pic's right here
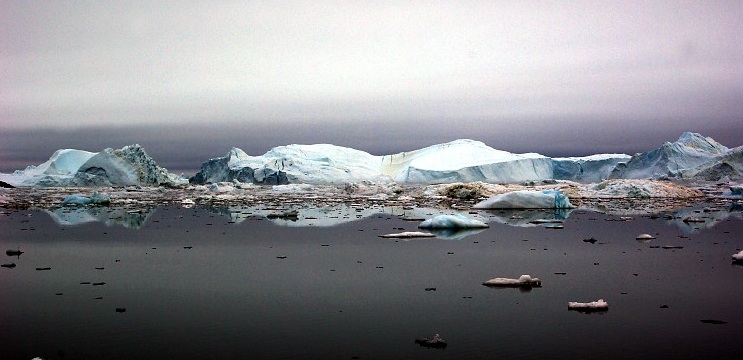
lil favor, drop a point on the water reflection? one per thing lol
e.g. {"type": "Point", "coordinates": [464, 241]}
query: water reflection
{"type": "Point", "coordinates": [689, 219]}
{"type": "Point", "coordinates": [128, 218]}
{"type": "Point", "coordinates": [530, 217]}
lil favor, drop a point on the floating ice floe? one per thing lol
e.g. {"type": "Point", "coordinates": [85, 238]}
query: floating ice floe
{"type": "Point", "coordinates": [738, 256]}
{"type": "Point", "coordinates": [527, 199]}
{"type": "Point", "coordinates": [598, 305]}
{"type": "Point", "coordinates": [644, 237]}
{"type": "Point", "coordinates": [408, 235]}
{"type": "Point", "coordinates": [458, 221]}
{"type": "Point", "coordinates": [522, 281]}
{"type": "Point", "coordinates": [79, 199]}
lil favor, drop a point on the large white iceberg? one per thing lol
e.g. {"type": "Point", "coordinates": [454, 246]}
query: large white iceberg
{"type": "Point", "coordinates": [456, 161]}
{"type": "Point", "coordinates": [309, 164]}
{"type": "Point", "coordinates": [527, 199]}
{"type": "Point", "coordinates": [465, 161]}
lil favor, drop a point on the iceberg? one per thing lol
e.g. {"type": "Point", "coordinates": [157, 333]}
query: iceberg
{"type": "Point", "coordinates": [522, 281]}
{"type": "Point", "coordinates": [738, 256]}
{"type": "Point", "coordinates": [527, 199]}
{"type": "Point", "coordinates": [670, 160]}
{"type": "Point", "coordinates": [465, 160]}
{"type": "Point", "coordinates": [457, 221]}
{"type": "Point", "coordinates": [456, 161]}
{"type": "Point", "coordinates": [129, 165]}
{"type": "Point", "coordinates": [307, 164]}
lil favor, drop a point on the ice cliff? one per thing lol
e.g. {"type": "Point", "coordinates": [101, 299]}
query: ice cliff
{"type": "Point", "coordinates": [592, 168]}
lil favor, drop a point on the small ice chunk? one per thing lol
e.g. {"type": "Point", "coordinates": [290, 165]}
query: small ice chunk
{"type": "Point", "coordinates": [408, 235]}
{"type": "Point", "coordinates": [645, 237]}
{"type": "Point", "coordinates": [738, 256]}
{"type": "Point", "coordinates": [523, 280]}
{"type": "Point", "coordinates": [451, 221]}
{"type": "Point", "coordinates": [597, 305]}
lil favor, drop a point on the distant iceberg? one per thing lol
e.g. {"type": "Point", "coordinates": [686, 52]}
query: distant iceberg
{"type": "Point", "coordinates": [691, 157]}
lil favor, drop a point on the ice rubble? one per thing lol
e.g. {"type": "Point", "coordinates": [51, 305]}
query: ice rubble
{"type": "Point", "coordinates": [738, 256]}
{"type": "Point", "coordinates": [457, 221]}
{"type": "Point", "coordinates": [527, 199]}
{"type": "Point", "coordinates": [130, 165]}
{"type": "Point", "coordinates": [522, 281]}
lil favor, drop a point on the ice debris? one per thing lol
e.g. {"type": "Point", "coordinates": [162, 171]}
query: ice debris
{"type": "Point", "coordinates": [527, 199]}
{"type": "Point", "coordinates": [738, 256]}
{"type": "Point", "coordinates": [522, 281]}
{"type": "Point", "coordinates": [451, 221]}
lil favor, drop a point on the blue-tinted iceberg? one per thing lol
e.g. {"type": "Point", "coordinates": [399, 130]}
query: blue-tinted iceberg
{"type": "Point", "coordinates": [527, 199]}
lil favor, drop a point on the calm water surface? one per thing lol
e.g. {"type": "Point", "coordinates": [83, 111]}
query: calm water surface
{"type": "Point", "coordinates": [196, 284]}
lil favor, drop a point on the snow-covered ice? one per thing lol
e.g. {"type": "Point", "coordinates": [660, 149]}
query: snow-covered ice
{"type": "Point", "coordinates": [527, 199]}
{"type": "Point", "coordinates": [523, 280]}
{"type": "Point", "coordinates": [738, 256]}
{"type": "Point", "coordinates": [457, 221]}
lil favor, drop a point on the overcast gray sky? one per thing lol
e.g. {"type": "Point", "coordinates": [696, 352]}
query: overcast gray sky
{"type": "Point", "coordinates": [549, 77]}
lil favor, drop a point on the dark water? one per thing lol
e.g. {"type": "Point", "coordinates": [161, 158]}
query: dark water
{"type": "Point", "coordinates": [195, 285]}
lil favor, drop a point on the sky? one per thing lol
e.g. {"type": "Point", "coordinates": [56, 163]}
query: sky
{"type": "Point", "coordinates": [189, 80]}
